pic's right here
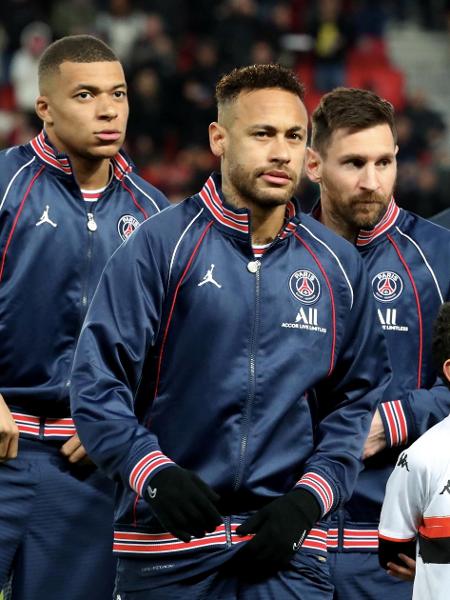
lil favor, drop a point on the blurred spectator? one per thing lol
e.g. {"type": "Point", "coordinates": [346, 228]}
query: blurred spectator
{"type": "Point", "coordinates": [410, 147]}
{"type": "Point", "coordinates": [17, 14]}
{"type": "Point", "coordinates": [174, 13]}
{"type": "Point", "coordinates": [369, 18]}
{"type": "Point", "coordinates": [429, 127]}
{"type": "Point", "coordinates": [3, 56]}
{"type": "Point", "coordinates": [153, 47]}
{"type": "Point", "coordinates": [262, 53]}
{"type": "Point", "coordinates": [120, 27]}
{"type": "Point", "coordinates": [333, 36]}
{"type": "Point", "coordinates": [147, 116]}
{"type": "Point", "coordinates": [23, 70]}
{"type": "Point", "coordinates": [420, 190]}
{"type": "Point", "coordinates": [237, 31]}
{"type": "Point", "coordinates": [71, 17]}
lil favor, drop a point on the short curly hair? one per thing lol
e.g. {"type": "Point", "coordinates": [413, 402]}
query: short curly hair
{"type": "Point", "coordinates": [257, 77]}
{"type": "Point", "coordinates": [441, 340]}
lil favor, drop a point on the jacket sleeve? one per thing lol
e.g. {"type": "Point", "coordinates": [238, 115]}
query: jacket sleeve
{"type": "Point", "coordinates": [408, 417]}
{"type": "Point", "coordinates": [403, 506]}
{"type": "Point", "coordinates": [121, 325]}
{"type": "Point", "coordinates": [346, 401]}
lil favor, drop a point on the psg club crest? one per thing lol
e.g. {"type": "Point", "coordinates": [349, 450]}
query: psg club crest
{"type": "Point", "coordinates": [126, 225]}
{"type": "Point", "coordinates": [305, 286]}
{"type": "Point", "coordinates": [387, 286]}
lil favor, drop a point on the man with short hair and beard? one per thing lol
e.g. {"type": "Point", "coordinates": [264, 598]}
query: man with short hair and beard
{"type": "Point", "coordinates": [353, 159]}
{"type": "Point", "coordinates": [69, 198]}
{"type": "Point", "coordinates": [191, 377]}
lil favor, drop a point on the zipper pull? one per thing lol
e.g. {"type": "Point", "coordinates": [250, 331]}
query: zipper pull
{"type": "Point", "coordinates": [91, 224]}
{"type": "Point", "coordinates": [253, 266]}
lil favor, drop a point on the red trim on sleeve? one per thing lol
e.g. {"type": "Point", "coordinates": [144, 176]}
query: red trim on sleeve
{"type": "Point", "coordinates": [419, 309]}
{"type": "Point", "coordinates": [188, 266]}
{"type": "Point", "coordinates": [11, 233]}
{"type": "Point", "coordinates": [138, 206]}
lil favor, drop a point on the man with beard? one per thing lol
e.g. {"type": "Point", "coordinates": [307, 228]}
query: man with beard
{"type": "Point", "coordinates": [353, 159]}
{"type": "Point", "coordinates": [191, 378]}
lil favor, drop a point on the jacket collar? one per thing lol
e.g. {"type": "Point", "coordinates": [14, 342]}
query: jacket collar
{"type": "Point", "coordinates": [48, 154]}
{"type": "Point", "coordinates": [366, 236]}
{"type": "Point", "coordinates": [238, 219]}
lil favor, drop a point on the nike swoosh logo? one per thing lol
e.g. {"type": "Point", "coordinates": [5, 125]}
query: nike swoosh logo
{"type": "Point", "coordinates": [297, 545]}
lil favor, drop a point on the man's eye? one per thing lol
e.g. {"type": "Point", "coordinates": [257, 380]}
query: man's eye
{"type": "Point", "coordinates": [120, 94]}
{"type": "Point", "coordinates": [83, 95]}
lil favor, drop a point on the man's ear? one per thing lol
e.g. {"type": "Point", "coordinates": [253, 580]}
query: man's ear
{"type": "Point", "coordinates": [43, 110]}
{"type": "Point", "coordinates": [217, 138]}
{"type": "Point", "coordinates": [446, 369]}
{"type": "Point", "coordinates": [313, 165]}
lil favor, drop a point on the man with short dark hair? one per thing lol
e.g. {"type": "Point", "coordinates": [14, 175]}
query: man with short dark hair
{"type": "Point", "coordinates": [415, 522]}
{"type": "Point", "coordinates": [67, 200]}
{"type": "Point", "coordinates": [353, 159]}
{"type": "Point", "coordinates": [192, 377]}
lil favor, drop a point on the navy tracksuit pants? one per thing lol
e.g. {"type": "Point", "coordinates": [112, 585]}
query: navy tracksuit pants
{"type": "Point", "coordinates": [141, 579]}
{"type": "Point", "coordinates": [358, 576]}
{"type": "Point", "coordinates": [55, 526]}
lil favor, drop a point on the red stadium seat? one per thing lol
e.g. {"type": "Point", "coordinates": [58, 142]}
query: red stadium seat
{"type": "Point", "coordinates": [386, 81]}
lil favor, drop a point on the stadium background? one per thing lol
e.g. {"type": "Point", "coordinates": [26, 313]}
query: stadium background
{"type": "Point", "coordinates": [175, 50]}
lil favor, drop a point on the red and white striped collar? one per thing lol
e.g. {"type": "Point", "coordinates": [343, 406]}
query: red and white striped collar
{"type": "Point", "coordinates": [47, 153]}
{"type": "Point", "coordinates": [234, 218]}
{"type": "Point", "coordinates": [366, 236]}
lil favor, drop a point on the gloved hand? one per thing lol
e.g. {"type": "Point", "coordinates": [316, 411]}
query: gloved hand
{"type": "Point", "coordinates": [183, 503]}
{"type": "Point", "coordinates": [280, 529]}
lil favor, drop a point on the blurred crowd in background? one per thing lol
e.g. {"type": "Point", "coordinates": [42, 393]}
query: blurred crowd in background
{"type": "Point", "coordinates": [174, 51]}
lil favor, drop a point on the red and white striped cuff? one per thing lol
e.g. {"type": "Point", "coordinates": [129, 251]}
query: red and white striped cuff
{"type": "Point", "coordinates": [395, 423]}
{"type": "Point", "coordinates": [147, 466]}
{"type": "Point", "coordinates": [321, 489]}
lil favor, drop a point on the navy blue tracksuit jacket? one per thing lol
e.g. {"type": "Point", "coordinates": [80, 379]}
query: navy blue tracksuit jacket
{"type": "Point", "coordinates": [408, 261]}
{"type": "Point", "coordinates": [195, 352]}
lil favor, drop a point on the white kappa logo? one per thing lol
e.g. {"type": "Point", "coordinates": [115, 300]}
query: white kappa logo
{"type": "Point", "coordinates": [208, 278]}
{"type": "Point", "coordinates": [46, 219]}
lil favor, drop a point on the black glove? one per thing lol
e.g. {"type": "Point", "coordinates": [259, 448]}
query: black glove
{"type": "Point", "coordinates": [280, 529]}
{"type": "Point", "coordinates": [183, 503]}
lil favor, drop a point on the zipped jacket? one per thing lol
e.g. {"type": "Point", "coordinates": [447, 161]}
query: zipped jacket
{"type": "Point", "coordinates": [197, 353]}
{"type": "Point", "coordinates": [54, 243]}
{"type": "Point", "coordinates": [408, 260]}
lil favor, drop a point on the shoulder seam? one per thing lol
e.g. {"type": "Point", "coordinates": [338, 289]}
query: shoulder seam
{"type": "Point", "coordinates": [347, 279]}
{"type": "Point", "coordinates": [144, 193]}
{"type": "Point", "coordinates": [12, 180]}
{"type": "Point", "coordinates": [427, 264]}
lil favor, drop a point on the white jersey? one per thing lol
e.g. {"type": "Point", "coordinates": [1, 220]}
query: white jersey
{"type": "Point", "coordinates": [417, 506]}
